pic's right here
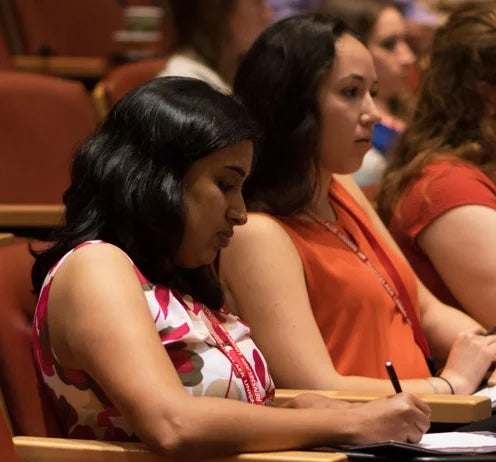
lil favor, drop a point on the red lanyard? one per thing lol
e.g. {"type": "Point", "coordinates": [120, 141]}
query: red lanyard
{"type": "Point", "coordinates": [228, 346]}
{"type": "Point", "coordinates": [411, 318]}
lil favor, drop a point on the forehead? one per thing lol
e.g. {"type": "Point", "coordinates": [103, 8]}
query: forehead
{"type": "Point", "coordinates": [352, 58]}
{"type": "Point", "coordinates": [243, 7]}
{"type": "Point", "coordinates": [237, 155]}
{"type": "Point", "coordinates": [389, 22]}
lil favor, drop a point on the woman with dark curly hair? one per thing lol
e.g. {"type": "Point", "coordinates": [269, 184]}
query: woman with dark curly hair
{"type": "Point", "coordinates": [130, 336]}
{"type": "Point", "coordinates": [439, 194]}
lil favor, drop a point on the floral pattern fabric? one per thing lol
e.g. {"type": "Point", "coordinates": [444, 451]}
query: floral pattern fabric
{"type": "Point", "coordinates": [84, 410]}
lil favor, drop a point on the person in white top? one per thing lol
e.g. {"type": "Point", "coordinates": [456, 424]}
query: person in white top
{"type": "Point", "coordinates": [212, 36]}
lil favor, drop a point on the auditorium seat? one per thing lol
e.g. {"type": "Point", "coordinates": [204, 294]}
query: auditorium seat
{"type": "Point", "coordinates": [123, 78]}
{"type": "Point", "coordinates": [42, 119]}
{"type": "Point", "coordinates": [68, 27]}
{"type": "Point", "coordinates": [7, 449]}
{"type": "Point", "coordinates": [5, 57]}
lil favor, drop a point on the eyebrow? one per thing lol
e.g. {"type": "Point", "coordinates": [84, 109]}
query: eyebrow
{"type": "Point", "coordinates": [358, 77]}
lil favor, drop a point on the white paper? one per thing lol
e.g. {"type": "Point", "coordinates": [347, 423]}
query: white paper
{"type": "Point", "coordinates": [459, 441]}
{"type": "Point", "coordinates": [489, 392]}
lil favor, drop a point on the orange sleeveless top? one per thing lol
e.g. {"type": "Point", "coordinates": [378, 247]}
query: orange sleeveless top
{"type": "Point", "coordinates": [359, 322]}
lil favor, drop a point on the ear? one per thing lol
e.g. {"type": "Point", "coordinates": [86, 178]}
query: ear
{"type": "Point", "coordinates": [488, 95]}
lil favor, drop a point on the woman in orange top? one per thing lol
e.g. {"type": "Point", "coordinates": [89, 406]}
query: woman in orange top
{"type": "Point", "coordinates": [438, 196]}
{"type": "Point", "coordinates": [328, 295]}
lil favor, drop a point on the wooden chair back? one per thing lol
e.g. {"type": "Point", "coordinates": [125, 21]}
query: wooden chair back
{"type": "Point", "coordinates": [122, 79]}
{"type": "Point", "coordinates": [42, 120]}
{"type": "Point", "coordinates": [27, 405]}
{"type": "Point", "coordinates": [68, 27]}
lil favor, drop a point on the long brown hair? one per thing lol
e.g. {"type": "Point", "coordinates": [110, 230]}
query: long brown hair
{"type": "Point", "coordinates": [201, 26]}
{"type": "Point", "coordinates": [450, 118]}
{"type": "Point", "coordinates": [360, 16]}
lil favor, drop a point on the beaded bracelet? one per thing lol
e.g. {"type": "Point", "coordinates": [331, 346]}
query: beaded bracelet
{"type": "Point", "coordinates": [448, 382]}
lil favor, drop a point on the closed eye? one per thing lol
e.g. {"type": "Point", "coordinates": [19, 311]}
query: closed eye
{"type": "Point", "coordinates": [226, 186]}
{"type": "Point", "coordinates": [390, 43]}
{"type": "Point", "coordinates": [350, 92]}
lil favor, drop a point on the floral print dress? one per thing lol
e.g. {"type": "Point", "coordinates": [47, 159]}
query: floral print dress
{"type": "Point", "coordinates": [83, 409]}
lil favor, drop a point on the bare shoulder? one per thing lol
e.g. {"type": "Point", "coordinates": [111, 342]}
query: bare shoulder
{"type": "Point", "coordinates": [261, 253]}
{"type": "Point", "coordinates": [261, 232]}
{"type": "Point", "coordinates": [92, 260]}
{"type": "Point", "coordinates": [260, 227]}
{"type": "Point", "coordinates": [94, 286]}
{"type": "Point", "coordinates": [92, 274]}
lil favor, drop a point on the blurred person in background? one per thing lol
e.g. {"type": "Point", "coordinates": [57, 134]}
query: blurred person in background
{"type": "Point", "coordinates": [439, 194]}
{"type": "Point", "coordinates": [286, 8]}
{"type": "Point", "coordinates": [211, 37]}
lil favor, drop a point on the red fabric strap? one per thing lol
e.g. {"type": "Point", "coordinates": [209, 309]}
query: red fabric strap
{"type": "Point", "coordinates": [418, 332]}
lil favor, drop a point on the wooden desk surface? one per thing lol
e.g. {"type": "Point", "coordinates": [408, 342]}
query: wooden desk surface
{"type": "Point", "coordinates": [38, 449]}
{"type": "Point", "coordinates": [31, 215]}
{"type": "Point", "coordinates": [445, 408]}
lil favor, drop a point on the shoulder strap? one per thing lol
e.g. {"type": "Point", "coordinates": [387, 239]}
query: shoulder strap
{"type": "Point", "coordinates": [397, 280]}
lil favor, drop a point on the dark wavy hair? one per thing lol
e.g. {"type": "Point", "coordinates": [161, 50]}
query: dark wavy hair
{"type": "Point", "coordinates": [450, 118]}
{"type": "Point", "coordinates": [201, 25]}
{"type": "Point", "coordinates": [127, 179]}
{"type": "Point", "coordinates": [278, 81]}
{"type": "Point", "coordinates": [360, 16]}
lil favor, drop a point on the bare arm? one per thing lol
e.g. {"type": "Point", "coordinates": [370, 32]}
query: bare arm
{"type": "Point", "coordinates": [459, 245]}
{"type": "Point", "coordinates": [265, 279]}
{"type": "Point", "coordinates": [97, 289]}
{"type": "Point", "coordinates": [451, 333]}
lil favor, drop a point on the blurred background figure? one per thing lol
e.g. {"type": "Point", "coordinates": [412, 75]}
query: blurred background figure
{"type": "Point", "coordinates": [421, 23]}
{"type": "Point", "coordinates": [212, 36]}
{"type": "Point", "coordinates": [380, 25]}
{"type": "Point", "coordinates": [439, 195]}
{"type": "Point", "coordinates": [286, 8]}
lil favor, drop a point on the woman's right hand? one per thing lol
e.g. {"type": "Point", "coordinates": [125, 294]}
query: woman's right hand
{"type": "Point", "coordinates": [470, 357]}
{"type": "Point", "coordinates": [401, 417]}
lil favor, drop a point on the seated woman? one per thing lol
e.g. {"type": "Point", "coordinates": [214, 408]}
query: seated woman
{"type": "Point", "coordinates": [327, 293]}
{"type": "Point", "coordinates": [211, 36]}
{"type": "Point", "coordinates": [439, 194]}
{"type": "Point", "coordinates": [123, 338]}
{"type": "Point", "coordinates": [382, 28]}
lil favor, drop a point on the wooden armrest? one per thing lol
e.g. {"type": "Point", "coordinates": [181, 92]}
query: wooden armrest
{"type": "Point", "coordinates": [6, 238]}
{"type": "Point", "coordinates": [62, 66]}
{"type": "Point", "coordinates": [445, 408]}
{"type": "Point", "coordinates": [38, 449]}
{"type": "Point", "coordinates": [31, 215]}
{"type": "Point", "coordinates": [100, 100]}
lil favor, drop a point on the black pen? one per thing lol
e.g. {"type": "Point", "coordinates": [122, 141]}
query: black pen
{"type": "Point", "coordinates": [394, 378]}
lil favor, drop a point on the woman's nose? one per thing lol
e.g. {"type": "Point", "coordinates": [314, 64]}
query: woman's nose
{"type": "Point", "coordinates": [371, 115]}
{"type": "Point", "coordinates": [406, 54]}
{"type": "Point", "coordinates": [237, 214]}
